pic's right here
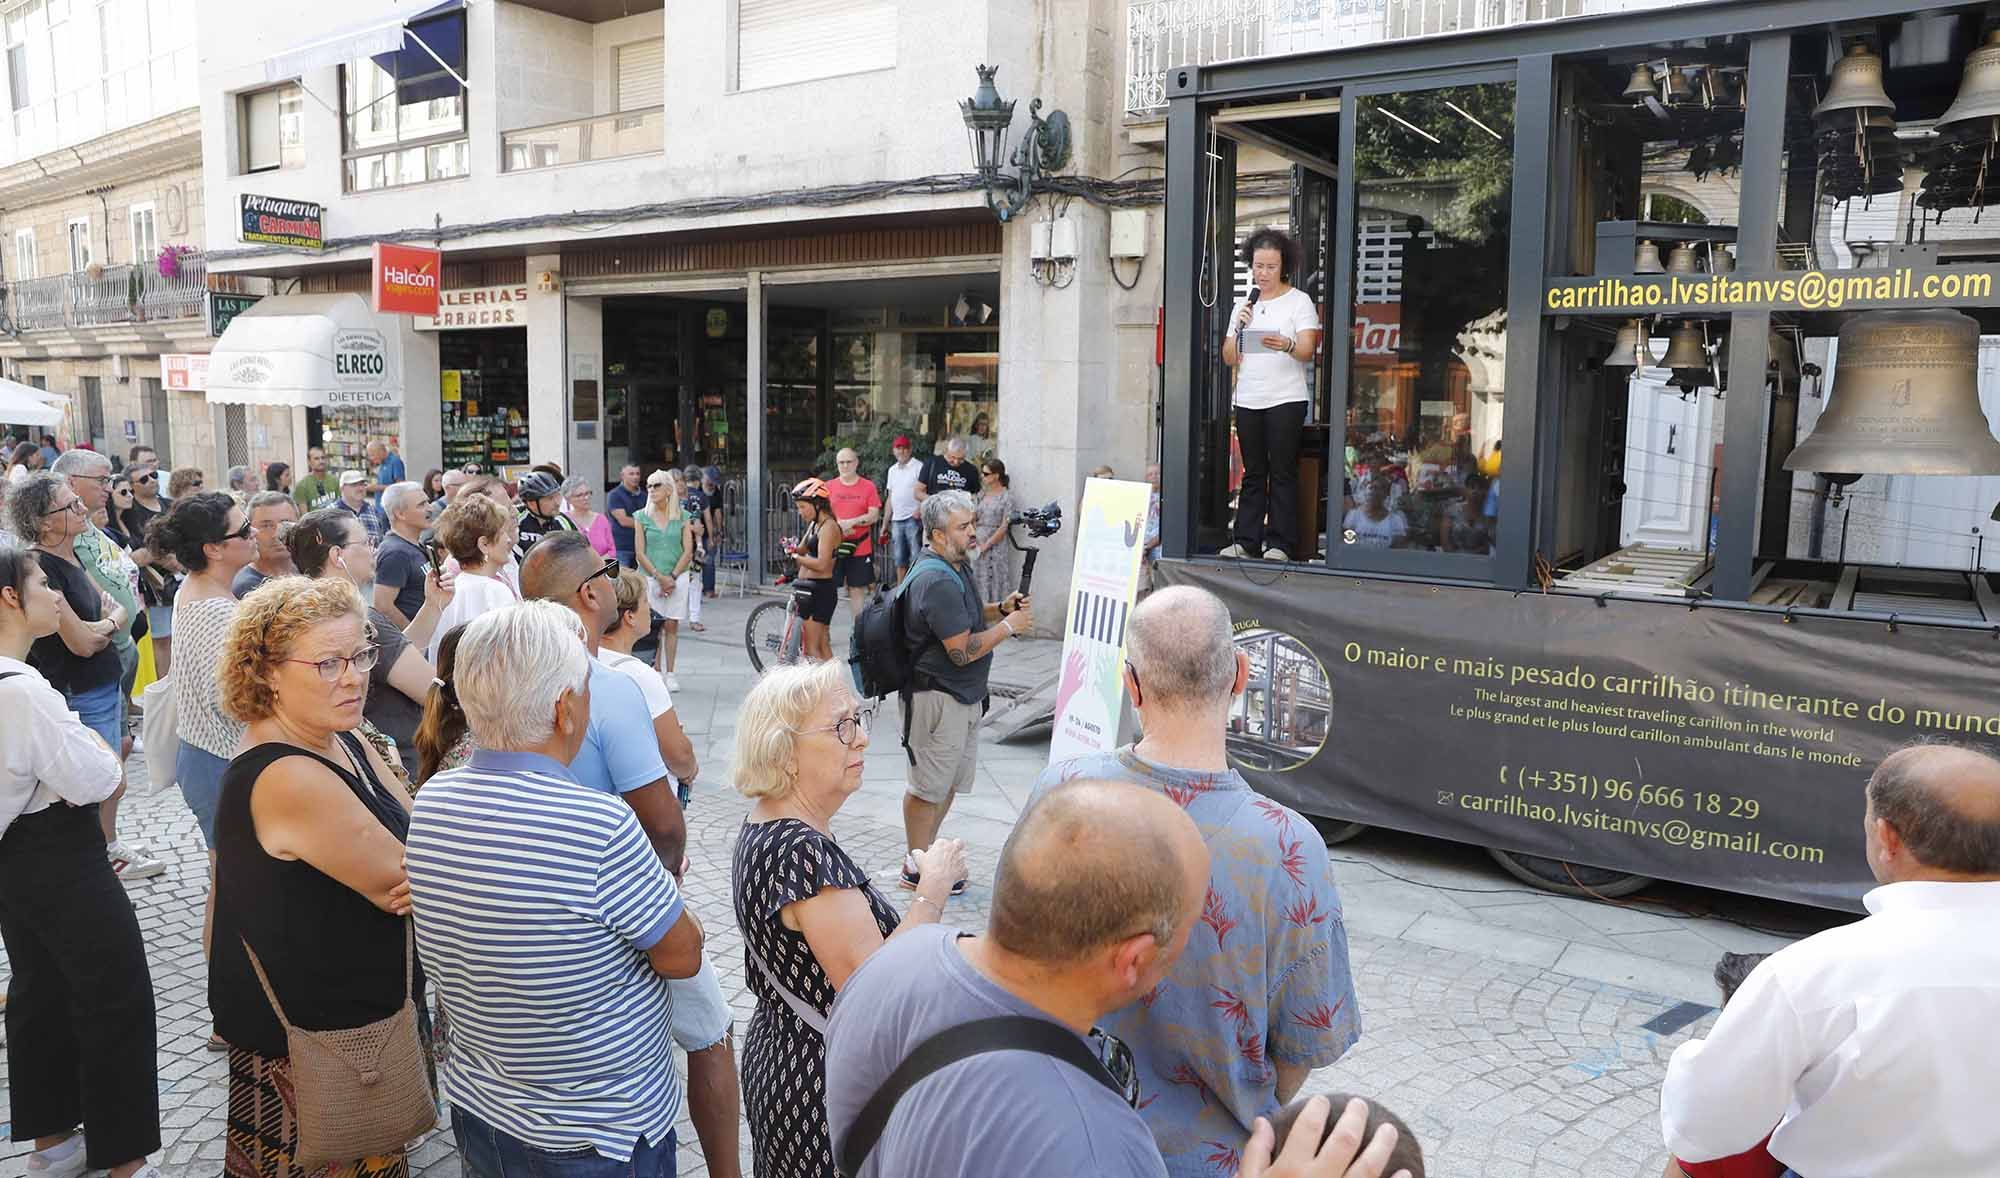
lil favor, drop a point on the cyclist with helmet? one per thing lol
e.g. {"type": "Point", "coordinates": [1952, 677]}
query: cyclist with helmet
{"type": "Point", "coordinates": [818, 551]}
{"type": "Point", "coordinates": [541, 511]}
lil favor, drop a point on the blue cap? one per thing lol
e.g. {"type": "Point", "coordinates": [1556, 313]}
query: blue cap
{"type": "Point", "coordinates": [712, 473]}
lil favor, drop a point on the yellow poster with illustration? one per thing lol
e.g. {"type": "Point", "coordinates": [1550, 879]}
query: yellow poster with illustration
{"type": "Point", "coordinates": [1103, 586]}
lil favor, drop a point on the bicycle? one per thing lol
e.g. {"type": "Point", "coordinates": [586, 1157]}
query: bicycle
{"type": "Point", "coordinates": [769, 635]}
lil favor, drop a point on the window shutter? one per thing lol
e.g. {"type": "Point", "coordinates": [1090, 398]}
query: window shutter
{"type": "Point", "coordinates": [642, 74]}
{"type": "Point", "coordinates": [260, 131]}
{"type": "Point", "coordinates": [784, 41]}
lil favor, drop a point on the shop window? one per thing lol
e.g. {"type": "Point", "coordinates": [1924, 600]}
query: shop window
{"type": "Point", "coordinates": [1427, 385]}
{"type": "Point", "coordinates": [404, 111]}
{"type": "Point", "coordinates": [271, 124]}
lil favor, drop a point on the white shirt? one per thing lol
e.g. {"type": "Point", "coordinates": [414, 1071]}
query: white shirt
{"type": "Point", "coordinates": [46, 754]}
{"type": "Point", "coordinates": [902, 482]}
{"type": "Point", "coordinates": [473, 594]}
{"type": "Point", "coordinates": [1266, 378]}
{"type": "Point", "coordinates": [1375, 533]}
{"type": "Point", "coordinates": [1870, 1047]}
{"type": "Point", "coordinates": [659, 701]}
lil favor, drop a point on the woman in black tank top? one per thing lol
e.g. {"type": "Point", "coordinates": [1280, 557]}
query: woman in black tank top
{"type": "Point", "coordinates": [308, 861]}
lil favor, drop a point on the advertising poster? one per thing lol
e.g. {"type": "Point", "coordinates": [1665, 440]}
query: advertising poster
{"type": "Point", "coordinates": [1718, 747]}
{"type": "Point", "coordinates": [1102, 587]}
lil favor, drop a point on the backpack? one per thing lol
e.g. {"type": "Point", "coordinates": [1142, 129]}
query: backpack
{"type": "Point", "coordinates": [879, 653]}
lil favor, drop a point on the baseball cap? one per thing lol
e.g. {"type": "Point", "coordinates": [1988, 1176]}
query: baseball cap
{"type": "Point", "coordinates": [712, 473]}
{"type": "Point", "coordinates": [902, 440]}
{"type": "Point", "coordinates": [352, 477]}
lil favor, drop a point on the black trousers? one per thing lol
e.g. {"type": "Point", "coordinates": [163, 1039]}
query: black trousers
{"type": "Point", "coordinates": [1269, 440]}
{"type": "Point", "coordinates": [81, 1040]}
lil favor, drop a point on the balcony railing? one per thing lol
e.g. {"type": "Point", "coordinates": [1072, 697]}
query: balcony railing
{"type": "Point", "coordinates": [1163, 34]}
{"type": "Point", "coordinates": [111, 295]}
{"type": "Point", "coordinates": [581, 141]}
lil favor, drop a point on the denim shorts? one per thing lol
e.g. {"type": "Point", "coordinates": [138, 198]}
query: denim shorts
{"type": "Point", "coordinates": [102, 710]}
{"type": "Point", "coordinates": [200, 777]}
{"type": "Point", "coordinates": [487, 1152]}
{"type": "Point", "coordinates": [160, 621]}
{"type": "Point", "coordinates": [701, 1015]}
{"type": "Point", "coordinates": [906, 537]}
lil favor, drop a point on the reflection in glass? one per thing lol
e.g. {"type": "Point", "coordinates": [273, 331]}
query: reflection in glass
{"type": "Point", "coordinates": [1434, 178]}
{"type": "Point", "coordinates": [1281, 719]}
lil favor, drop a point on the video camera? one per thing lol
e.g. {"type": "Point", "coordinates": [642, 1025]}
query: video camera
{"type": "Point", "coordinates": [1041, 522]}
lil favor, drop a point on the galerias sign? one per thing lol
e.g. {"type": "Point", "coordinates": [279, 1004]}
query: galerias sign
{"type": "Point", "coordinates": [407, 279]}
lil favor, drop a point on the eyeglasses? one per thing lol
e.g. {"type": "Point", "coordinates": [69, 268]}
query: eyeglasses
{"type": "Point", "coordinates": [121, 490]}
{"type": "Point", "coordinates": [74, 505]}
{"type": "Point", "coordinates": [93, 478]}
{"type": "Point", "coordinates": [243, 533]}
{"type": "Point", "coordinates": [609, 571]}
{"type": "Point", "coordinates": [148, 477]}
{"type": "Point", "coordinates": [849, 727]}
{"type": "Point", "coordinates": [330, 669]}
{"type": "Point", "coordinates": [1117, 1059]}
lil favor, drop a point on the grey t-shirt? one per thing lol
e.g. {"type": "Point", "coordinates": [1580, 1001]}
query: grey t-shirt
{"type": "Point", "coordinates": [247, 582]}
{"type": "Point", "coordinates": [942, 605]}
{"type": "Point", "coordinates": [1006, 1112]}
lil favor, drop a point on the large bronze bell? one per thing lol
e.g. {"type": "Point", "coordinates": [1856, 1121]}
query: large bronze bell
{"type": "Point", "coordinates": [1647, 259]}
{"type": "Point", "coordinates": [1905, 400]}
{"type": "Point", "coordinates": [1979, 92]}
{"type": "Point", "coordinates": [1721, 261]}
{"type": "Point", "coordinates": [1856, 84]}
{"type": "Point", "coordinates": [1685, 349]}
{"type": "Point", "coordinates": [1682, 260]}
{"type": "Point", "coordinates": [1630, 349]}
{"type": "Point", "coordinates": [1677, 88]}
{"type": "Point", "coordinates": [1640, 85]}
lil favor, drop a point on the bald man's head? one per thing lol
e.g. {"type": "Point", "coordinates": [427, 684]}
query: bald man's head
{"type": "Point", "coordinates": [1182, 648]}
{"type": "Point", "coordinates": [556, 565]}
{"type": "Point", "coordinates": [1943, 803]}
{"type": "Point", "coordinates": [1095, 863]}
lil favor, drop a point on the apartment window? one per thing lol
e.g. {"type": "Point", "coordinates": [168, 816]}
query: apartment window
{"type": "Point", "coordinates": [778, 42]}
{"type": "Point", "coordinates": [404, 111]}
{"type": "Point", "coordinates": [145, 238]}
{"type": "Point", "coordinates": [80, 255]}
{"type": "Point", "coordinates": [17, 75]}
{"type": "Point", "coordinates": [641, 74]}
{"type": "Point", "coordinates": [25, 262]}
{"type": "Point", "coordinates": [271, 124]}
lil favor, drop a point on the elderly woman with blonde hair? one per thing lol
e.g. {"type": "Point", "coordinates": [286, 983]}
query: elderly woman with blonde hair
{"type": "Point", "coordinates": [809, 915]}
{"type": "Point", "coordinates": [309, 839]}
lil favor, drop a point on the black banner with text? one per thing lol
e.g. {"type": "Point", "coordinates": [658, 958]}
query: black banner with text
{"type": "Point", "coordinates": [1718, 747]}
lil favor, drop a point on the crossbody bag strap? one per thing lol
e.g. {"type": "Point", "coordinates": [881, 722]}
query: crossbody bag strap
{"type": "Point", "coordinates": [808, 1014]}
{"type": "Point", "coordinates": [1006, 1033]}
{"type": "Point", "coordinates": [409, 967]}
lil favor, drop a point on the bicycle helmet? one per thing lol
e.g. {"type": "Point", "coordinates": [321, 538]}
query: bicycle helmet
{"type": "Point", "coordinates": [809, 488]}
{"type": "Point", "coordinates": [538, 485]}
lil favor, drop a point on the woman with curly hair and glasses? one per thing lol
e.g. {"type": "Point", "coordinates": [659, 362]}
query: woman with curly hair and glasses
{"type": "Point", "coordinates": [309, 862]}
{"type": "Point", "coordinates": [1270, 341]}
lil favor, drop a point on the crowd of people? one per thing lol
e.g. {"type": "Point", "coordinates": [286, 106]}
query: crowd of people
{"type": "Point", "coordinates": [444, 806]}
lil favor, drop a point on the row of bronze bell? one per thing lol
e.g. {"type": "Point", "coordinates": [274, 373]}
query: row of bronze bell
{"type": "Point", "coordinates": [1686, 347]}
{"type": "Point", "coordinates": [1905, 400]}
{"type": "Point", "coordinates": [1856, 85]}
{"type": "Point", "coordinates": [1675, 85]}
{"type": "Point", "coordinates": [1682, 259]}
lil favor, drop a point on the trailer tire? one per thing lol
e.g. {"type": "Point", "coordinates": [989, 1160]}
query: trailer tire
{"type": "Point", "coordinates": [1336, 831]}
{"type": "Point", "coordinates": [1568, 879]}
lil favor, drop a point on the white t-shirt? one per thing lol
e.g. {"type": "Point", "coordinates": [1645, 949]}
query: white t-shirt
{"type": "Point", "coordinates": [472, 596]}
{"type": "Point", "coordinates": [1267, 378]}
{"type": "Point", "coordinates": [659, 701]}
{"type": "Point", "coordinates": [1376, 533]}
{"type": "Point", "coordinates": [902, 483]}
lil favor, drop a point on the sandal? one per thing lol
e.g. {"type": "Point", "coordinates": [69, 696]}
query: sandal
{"type": "Point", "coordinates": [217, 1043]}
{"type": "Point", "coordinates": [697, 627]}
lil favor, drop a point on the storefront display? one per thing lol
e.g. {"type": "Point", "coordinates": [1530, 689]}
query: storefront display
{"type": "Point", "coordinates": [483, 390]}
{"type": "Point", "coordinates": [1717, 278]}
{"type": "Point", "coordinates": [345, 434]}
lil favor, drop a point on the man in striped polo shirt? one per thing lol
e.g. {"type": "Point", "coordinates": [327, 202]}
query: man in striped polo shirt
{"type": "Point", "coordinates": [547, 924]}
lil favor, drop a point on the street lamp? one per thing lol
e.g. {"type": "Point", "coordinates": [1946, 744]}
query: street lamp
{"type": "Point", "coordinates": [1045, 148]}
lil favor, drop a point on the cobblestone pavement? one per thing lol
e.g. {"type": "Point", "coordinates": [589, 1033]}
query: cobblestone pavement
{"type": "Point", "coordinates": [1507, 1026]}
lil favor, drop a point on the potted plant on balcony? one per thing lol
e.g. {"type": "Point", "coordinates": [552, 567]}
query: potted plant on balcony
{"type": "Point", "coordinates": [169, 261]}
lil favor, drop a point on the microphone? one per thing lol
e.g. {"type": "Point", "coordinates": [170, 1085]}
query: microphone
{"type": "Point", "coordinates": [1255, 291]}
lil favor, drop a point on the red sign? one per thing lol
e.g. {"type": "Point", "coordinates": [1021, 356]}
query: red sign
{"type": "Point", "coordinates": [184, 372]}
{"type": "Point", "coordinates": [1378, 329]}
{"type": "Point", "coordinates": [407, 279]}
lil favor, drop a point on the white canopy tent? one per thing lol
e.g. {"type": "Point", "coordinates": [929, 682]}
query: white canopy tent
{"type": "Point", "coordinates": [312, 351]}
{"type": "Point", "coordinates": [22, 404]}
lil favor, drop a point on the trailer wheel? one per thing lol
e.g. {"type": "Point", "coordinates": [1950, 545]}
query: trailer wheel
{"type": "Point", "coordinates": [1336, 831]}
{"type": "Point", "coordinates": [1568, 879]}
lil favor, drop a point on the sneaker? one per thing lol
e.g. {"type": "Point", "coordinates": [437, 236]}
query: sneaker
{"type": "Point", "coordinates": [1276, 553]}
{"type": "Point", "coordinates": [673, 684]}
{"type": "Point", "coordinates": [912, 877]}
{"type": "Point", "coordinates": [58, 1161]}
{"type": "Point", "coordinates": [138, 743]}
{"type": "Point", "coordinates": [128, 862]}
{"type": "Point", "coordinates": [1234, 552]}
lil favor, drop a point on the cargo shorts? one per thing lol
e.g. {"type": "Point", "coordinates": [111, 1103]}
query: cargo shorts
{"type": "Point", "coordinates": [944, 745]}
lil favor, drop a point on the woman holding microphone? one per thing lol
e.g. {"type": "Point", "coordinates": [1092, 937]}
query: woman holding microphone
{"type": "Point", "coordinates": [1272, 336]}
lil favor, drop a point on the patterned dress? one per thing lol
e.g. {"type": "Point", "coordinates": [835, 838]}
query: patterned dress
{"type": "Point", "coordinates": [784, 1060]}
{"type": "Point", "coordinates": [994, 571]}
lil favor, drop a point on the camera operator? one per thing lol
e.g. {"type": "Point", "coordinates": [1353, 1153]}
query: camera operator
{"type": "Point", "coordinates": [954, 634]}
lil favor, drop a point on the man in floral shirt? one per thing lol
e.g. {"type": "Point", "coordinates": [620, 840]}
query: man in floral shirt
{"type": "Point", "coordinates": [1263, 993]}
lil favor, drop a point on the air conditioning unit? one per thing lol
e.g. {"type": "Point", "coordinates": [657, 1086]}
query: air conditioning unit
{"type": "Point", "coordinates": [121, 370]}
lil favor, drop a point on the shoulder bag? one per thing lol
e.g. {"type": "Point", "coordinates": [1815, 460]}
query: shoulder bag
{"type": "Point", "coordinates": [361, 1091]}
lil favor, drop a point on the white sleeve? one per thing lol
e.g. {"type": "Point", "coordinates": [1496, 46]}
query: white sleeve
{"type": "Point", "coordinates": [1305, 316]}
{"type": "Point", "coordinates": [70, 760]}
{"type": "Point", "coordinates": [1724, 1094]}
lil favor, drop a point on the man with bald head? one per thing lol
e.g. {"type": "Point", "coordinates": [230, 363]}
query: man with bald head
{"type": "Point", "coordinates": [857, 506]}
{"type": "Point", "coordinates": [1098, 890]}
{"type": "Point", "coordinates": [621, 754]}
{"type": "Point", "coordinates": [1264, 993]}
{"type": "Point", "coordinates": [1871, 1046]}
